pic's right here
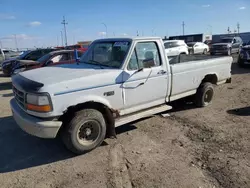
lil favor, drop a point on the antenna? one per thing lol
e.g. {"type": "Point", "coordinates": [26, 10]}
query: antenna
{"type": "Point", "coordinates": [65, 32]}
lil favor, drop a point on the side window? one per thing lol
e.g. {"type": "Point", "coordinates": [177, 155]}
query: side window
{"type": "Point", "coordinates": [133, 62]}
{"type": "Point", "coordinates": [145, 55]}
{"type": "Point", "coordinates": [171, 45]}
{"type": "Point", "coordinates": [34, 55]}
{"type": "Point", "coordinates": [60, 57]}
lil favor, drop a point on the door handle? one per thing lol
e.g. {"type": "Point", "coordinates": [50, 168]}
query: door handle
{"type": "Point", "coordinates": [162, 72]}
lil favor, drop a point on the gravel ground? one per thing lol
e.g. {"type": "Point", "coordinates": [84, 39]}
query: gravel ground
{"type": "Point", "coordinates": [193, 147]}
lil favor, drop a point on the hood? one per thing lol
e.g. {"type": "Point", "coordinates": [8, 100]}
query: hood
{"type": "Point", "coordinates": [221, 44]}
{"type": "Point", "coordinates": [71, 76]}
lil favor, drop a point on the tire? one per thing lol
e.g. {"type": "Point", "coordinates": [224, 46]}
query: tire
{"type": "Point", "coordinates": [240, 62]}
{"type": "Point", "coordinates": [229, 52]}
{"type": "Point", "coordinates": [204, 95]}
{"type": "Point", "coordinates": [205, 51]}
{"type": "Point", "coordinates": [212, 53]}
{"type": "Point", "coordinates": [85, 131]}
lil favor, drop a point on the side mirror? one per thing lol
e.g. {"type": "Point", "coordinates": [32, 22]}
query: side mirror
{"type": "Point", "coordinates": [148, 63]}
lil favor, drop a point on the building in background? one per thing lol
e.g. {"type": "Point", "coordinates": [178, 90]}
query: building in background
{"type": "Point", "coordinates": [192, 38]}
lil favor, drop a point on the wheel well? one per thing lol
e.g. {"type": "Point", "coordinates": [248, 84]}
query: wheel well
{"type": "Point", "coordinates": [212, 78]}
{"type": "Point", "coordinates": [106, 111]}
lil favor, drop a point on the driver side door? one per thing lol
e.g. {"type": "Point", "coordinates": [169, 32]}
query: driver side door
{"type": "Point", "coordinates": [144, 86]}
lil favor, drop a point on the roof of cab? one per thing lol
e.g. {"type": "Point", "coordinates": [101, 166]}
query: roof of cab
{"type": "Point", "coordinates": [128, 39]}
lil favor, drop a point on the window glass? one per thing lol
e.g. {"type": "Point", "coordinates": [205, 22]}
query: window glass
{"type": "Point", "coordinates": [34, 55]}
{"type": "Point", "coordinates": [133, 62]}
{"type": "Point", "coordinates": [109, 54]}
{"type": "Point", "coordinates": [171, 44]}
{"type": "Point", "coordinates": [145, 55]}
{"type": "Point", "coordinates": [60, 57]}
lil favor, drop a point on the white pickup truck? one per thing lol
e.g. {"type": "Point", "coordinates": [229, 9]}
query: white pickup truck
{"type": "Point", "coordinates": [116, 81]}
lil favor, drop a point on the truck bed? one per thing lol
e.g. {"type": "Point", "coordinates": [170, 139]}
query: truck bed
{"type": "Point", "coordinates": [183, 58]}
{"type": "Point", "coordinates": [188, 71]}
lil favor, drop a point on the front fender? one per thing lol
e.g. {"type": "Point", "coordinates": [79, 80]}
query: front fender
{"type": "Point", "coordinates": [88, 98]}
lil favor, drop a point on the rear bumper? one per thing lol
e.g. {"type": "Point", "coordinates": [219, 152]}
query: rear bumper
{"type": "Point", "coordinates": [32, 125]}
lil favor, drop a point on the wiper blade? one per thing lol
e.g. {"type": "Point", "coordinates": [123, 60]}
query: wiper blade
{"type": "Point", "coordinates": [92, 62]}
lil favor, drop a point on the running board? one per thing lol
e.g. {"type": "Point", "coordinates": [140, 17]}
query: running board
{"type": "Point", "coordinates": [142, 114]}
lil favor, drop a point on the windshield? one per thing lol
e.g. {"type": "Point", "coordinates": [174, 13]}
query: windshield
{"type": "Point", "coordinates": [226, 40]}
{"type": "Point", "coordinates": [44, 58]}
{"type": "Point", "coordinates": [108, 54]}
{"type": "Point", "coordinates": [24, 54]}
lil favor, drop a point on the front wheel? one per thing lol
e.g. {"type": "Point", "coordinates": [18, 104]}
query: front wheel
{"type": "Point", "coordinates": [204, 94]}
{"type": "Point", "coordinates": [205, 51]}
{"type": "Point", "coordinates": [85, 131]}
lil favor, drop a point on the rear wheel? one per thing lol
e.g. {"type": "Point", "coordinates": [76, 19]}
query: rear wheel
{"type": "Point", "coordinates": [204, 94]}
{"type": "Point", "coordinates": [205, 51]}
{"type": "Point", "coordinates": [85, 131]}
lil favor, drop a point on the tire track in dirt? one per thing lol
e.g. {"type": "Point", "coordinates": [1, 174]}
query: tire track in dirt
{"type": "Point", "coordinates": [118, 174]}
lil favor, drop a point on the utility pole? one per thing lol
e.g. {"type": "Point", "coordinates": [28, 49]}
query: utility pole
{"type": "Point", "coordinates": [65, 32]}
{"type": "Point", "coordinates": [137, 33]}
{"type": "Point", "coordinates": [1, 45]}
{"type": "Point", "coordinates": [62, 37]}
{"type": "Point", "coordinates": [183, 28]}
{"type": "Point", "coordinates": [238, 27]}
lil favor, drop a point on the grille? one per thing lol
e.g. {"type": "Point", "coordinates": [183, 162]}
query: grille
{"type": "Point", "coordinates": [220, 47]}
{"type": "Point", "coordinates": [19, 96]}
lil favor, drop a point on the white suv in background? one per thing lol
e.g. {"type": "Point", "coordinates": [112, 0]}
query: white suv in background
{"type": "Point", "coordinates": [198, 48]}
{"type": "Point", "coordinates": [175, 47]}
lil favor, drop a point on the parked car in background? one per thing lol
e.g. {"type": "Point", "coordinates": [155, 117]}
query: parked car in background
{"type": "Point", "coordinates": [175, 47]}
{"type": "Point", "coordinates": [50, 59]}
{"type": "Point", "coordinates": [244, 55]}
{"type": "Point", "coordinates": [33, 55]}
{"type": "Point", "coordinates": [79, 47]}
{"type": "Point", "coordinates": [7, 54]}
{"type": "Point", "coordinates": [111, 86]}
{"type": "Point", "coordinates": [197, 48]}
{"type": "Point", "coordinates": [209, 43]}
{"type": "Point", "coordinates": [227, 45]}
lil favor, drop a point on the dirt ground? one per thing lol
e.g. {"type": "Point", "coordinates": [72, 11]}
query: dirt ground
{"type": "Point", "coordinates": [192, 148]}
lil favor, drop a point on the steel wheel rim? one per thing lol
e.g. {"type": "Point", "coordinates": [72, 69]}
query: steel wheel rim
{"type": "Point", "coordinates": [208, 96]}
{"type": "Point", "coordinates": [88, 132]}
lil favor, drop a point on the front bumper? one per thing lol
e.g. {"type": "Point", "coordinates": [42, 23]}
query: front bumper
{"type": "Point", "coordinates": [223, 51]}
{"type": "Point", "coordinates": [33, 125]}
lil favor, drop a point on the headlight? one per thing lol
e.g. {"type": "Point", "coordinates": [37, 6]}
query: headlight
{"type": "Point", "coordinates": [38, 103]}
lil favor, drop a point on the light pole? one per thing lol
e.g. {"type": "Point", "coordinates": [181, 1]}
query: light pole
{"type": "Point", "coordinates": [16, 42]}
{"type": "Point", "coordinates": [210, 29]}
{"type": "Point", "coordinates": [106, 29]}
{"type": "Point", "coordinates": [62, 37]}
{"type": "Point", "coordinates": [1, 45]}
